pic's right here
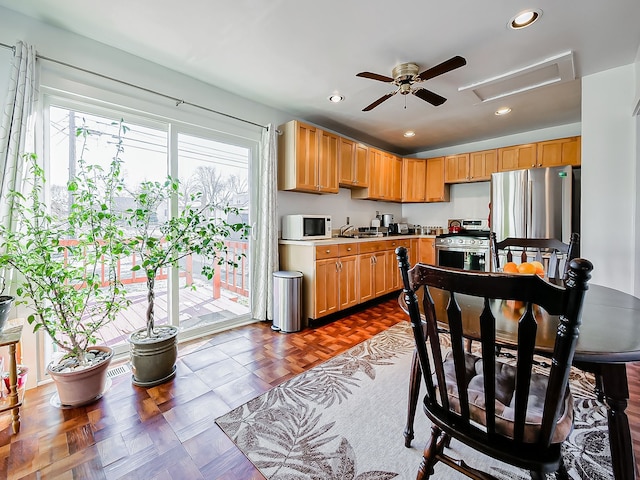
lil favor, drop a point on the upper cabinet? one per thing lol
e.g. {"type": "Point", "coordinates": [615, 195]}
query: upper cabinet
{"type": "Point", "coordinates": [482, 165]}
{"type": "Point", "coordinates": [315, 161]}
{"type": "Point", "coordinates": [456, 168]}
{"type": "Point", "coordinates": [517, 157]}
{"type": "Point", "coordinates": [307, 159]}
{"type": "Point", "coordinates": [436, 190]}
{"type": "Point", "coordinates": [561, 152]}
{"type": "Point", "coordinates": [414, 175]}
{"type": "Point", "coordinates": [550, 153]}
{"type": "Point", "coordinates": [353, 163]}
{"type": "Point", "coordinates": [385, 178]}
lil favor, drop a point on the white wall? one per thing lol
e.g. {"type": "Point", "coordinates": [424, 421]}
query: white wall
{"type": "Point", "coordinates": [609, 157]}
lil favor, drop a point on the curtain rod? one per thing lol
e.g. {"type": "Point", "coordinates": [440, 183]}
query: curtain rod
{"type": "Point", "coordinates": [178, 101]}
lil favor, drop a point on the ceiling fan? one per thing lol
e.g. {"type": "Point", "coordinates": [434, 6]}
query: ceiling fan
{"type": "Point", "coordinates": [406, 75]}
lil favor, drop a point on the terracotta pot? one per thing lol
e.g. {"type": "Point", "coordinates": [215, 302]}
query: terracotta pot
{"type": "Point", "coordinates": [82, 386]}
{"type": "Point", "coordinates": [153, 361]}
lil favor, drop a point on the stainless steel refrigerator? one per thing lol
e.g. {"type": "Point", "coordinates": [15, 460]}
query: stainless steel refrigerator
{"type": "Point", "coordinates": [536, 203]}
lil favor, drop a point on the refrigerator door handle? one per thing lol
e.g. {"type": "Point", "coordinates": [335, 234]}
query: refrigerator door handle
{"type": "Point", "coordinates": [528, 221]}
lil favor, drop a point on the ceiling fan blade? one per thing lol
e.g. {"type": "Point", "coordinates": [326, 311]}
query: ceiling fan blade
{"type": "Point", "coordinates": [444, 67]}
{"type": "Point", "coordinates": [374, 76]}
{"type": "Point", "coordinates": [428, 96]}
{"type": "Point", "coordinates": [379, 101]}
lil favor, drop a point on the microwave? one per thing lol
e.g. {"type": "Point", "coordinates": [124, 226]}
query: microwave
{"type": "Point", "coordinates": [306, 227]}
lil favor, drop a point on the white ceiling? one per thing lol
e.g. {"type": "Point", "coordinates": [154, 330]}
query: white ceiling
{"type": "Point", "coordinates": [292, 54]}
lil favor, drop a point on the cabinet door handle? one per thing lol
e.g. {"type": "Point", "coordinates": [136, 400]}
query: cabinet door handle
{"type": "Point", "coordinates": [348, 249]}
{"type": "Point", "coordinates": [327, 251]}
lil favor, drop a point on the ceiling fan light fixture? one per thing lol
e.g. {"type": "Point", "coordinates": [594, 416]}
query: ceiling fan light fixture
{"type": "Point", "coordinates": [524, 19]}
{"type": "Point", "coordinates": [336, 98]}
{"type": "Point", "coordinates": [409, 134]}
{"type": "Point", "coordinates": [503, 111]}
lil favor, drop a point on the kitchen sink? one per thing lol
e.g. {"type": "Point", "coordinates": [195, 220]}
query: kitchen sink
{"type": "Point", "coordinates": [361, 235]}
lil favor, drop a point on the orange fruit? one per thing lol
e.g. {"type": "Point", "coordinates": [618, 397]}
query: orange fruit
{"type": "Point", "coordinates": [526, 267]}
{"type": "Point", "coordinates": [510, 267]}
{"type": "Point", "coordinates": [539, 267]}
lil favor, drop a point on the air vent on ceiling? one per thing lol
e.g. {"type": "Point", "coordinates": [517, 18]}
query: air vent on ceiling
{"type": "Point", "coordinates": [556, 69]}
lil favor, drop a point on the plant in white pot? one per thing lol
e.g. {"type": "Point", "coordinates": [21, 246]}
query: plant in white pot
{"type": "Point", "coordinates": [198, 228]}
{"type": "Point", "coordinates": [60, 260]}
{"type": "Point", "coordinates": [6, 302]}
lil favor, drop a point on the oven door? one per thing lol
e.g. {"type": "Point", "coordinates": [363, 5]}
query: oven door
{"type": "Point", "coordinates": [467, 259]}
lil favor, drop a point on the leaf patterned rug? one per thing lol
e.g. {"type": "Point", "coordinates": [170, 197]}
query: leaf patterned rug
{"type": "Point", "coordinates": [344, 419]}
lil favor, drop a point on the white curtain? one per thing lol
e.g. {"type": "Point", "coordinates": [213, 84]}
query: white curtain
{"type": "Point", "coordinates": [17, 127]}
{"type": "Point", "coordinates": [264, 256]}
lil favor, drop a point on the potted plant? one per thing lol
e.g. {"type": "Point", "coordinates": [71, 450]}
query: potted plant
{"type": "Point", "coordinates": [198, 228]}
{"type": "Point", "coordinates": [6, 302]}
{"type": "Point", "coordinates": [59, 259]}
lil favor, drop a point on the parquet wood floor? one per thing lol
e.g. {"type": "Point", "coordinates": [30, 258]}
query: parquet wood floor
{"type": "Point", "coordinates": [168, 432]}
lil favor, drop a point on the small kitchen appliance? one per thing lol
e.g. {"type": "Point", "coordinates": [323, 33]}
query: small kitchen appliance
{"type": "Point", "coordinates": [306, 227]}
{"type": "Point", "coordinates": [386, 219]}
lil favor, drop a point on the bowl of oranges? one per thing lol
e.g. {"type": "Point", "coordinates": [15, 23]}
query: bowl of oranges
{"type": "Point", "coordinates": [527, 268]}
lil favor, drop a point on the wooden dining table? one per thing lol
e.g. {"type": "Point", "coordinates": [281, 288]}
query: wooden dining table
{"type": "Point", "coordinates": [609, 338]}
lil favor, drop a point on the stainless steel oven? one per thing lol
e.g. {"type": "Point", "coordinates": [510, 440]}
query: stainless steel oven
{"type": "Point", "coordinates": [466, 250]}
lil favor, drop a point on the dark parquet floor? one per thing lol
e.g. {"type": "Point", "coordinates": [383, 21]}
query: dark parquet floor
{"type": "Point", "coordinates": [168, 432]}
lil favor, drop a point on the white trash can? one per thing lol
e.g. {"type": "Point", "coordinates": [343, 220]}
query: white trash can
{"type": "Point", "coordinates": [287, 307]}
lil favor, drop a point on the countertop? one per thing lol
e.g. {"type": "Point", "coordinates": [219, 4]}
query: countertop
{"type": "Point", "coordinates": [343, 240]}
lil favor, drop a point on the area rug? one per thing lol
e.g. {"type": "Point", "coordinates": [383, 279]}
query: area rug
{"type": "Point", "coordinates": [344, 419]}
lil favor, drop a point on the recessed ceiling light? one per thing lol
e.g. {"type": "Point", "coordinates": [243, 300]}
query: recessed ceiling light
{"type": "Point", "coordinates": [503, 111]}
{"type": "Point", "coordinates": [409, 133]}
{"type": "Point", "coordinates": [336, 98]}
{"type": "Point", "coordinates": [524, 19]}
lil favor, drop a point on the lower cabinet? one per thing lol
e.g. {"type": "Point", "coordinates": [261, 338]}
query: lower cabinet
{"type": "Point", "coordinates": [348, 282]}
{"type": "Point", "coordinates": [427, 251]}
{"type": "Point", "coordinates": [340, 276]}
{"type": "Point", "coordinates": [327, 287]}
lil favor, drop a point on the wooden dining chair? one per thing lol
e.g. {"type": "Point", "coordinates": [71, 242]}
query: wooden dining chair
{"type": "Point", "coordinates": [510, 412]}
{"type": "Point", "coordinates": [550, 252]}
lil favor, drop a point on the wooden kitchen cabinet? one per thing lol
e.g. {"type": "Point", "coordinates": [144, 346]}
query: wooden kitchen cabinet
{"type": "Point", "coordinates": [456, 168]}
{"type": "Point", "coordinates": [414, 180]}
{"type": "Point", "coordinates": [327, 291]}
{"type": "Point", "coordinates": [385, 178]}
{"type": "Point", "coordinates": [353, 162]}
{"type": "Point", "coordinates": [328, 162]}
{"type": "Point", "coordinates": [307, 159]}
{"type": "Point", "coordinates": [348, 282]}
{"type": "Point", "coordinates": [517, 157]}
{"type": "Point", "coordinates": [393, 276]}
{"type": "Point", "coordinates": [482, 165]}
{"type": "Point", "coordinates": [427, 251]}
{"type": "Point", "coordinates": [371, 270]}
{"type": "Point", "coordinates": [560, 152]}
{"type": "Point", "coordinates": [471, 167]}
{"type": "Point", "coordinates": [337, 276]}
{"type": "Point", "coordinates": [436, 189]}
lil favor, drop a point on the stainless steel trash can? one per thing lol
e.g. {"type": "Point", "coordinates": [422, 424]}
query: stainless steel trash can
{"type": "Point", "coordinates": [287, 307]}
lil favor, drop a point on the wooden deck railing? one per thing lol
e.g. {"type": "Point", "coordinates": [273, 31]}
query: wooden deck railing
{"type": "Point", "coordinates": [226, 276]}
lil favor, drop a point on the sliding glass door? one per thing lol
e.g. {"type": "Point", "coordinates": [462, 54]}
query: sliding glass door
{"type": "Point", "coordinates": [204, 161]}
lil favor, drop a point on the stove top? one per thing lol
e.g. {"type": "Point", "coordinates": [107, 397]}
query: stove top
{"type": "Point", "coordinates": [467, 233]}
{"type": "Point", "coordinates": [472, 240]}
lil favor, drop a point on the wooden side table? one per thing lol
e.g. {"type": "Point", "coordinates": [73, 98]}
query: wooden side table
{"type": "Point", "coordinates": [10, 337]}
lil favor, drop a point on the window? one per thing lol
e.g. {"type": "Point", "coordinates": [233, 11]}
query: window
{"type": "Point", "coordinates": [204, 161]}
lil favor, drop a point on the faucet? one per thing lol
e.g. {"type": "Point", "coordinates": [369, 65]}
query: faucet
{"type": "Point", "coordinates": [344, 229]}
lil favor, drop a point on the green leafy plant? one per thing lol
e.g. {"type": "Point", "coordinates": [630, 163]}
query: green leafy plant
{"type": "Point", "coordinates": [194, 230]}
{"type": "Point", "coordinates": [60, 258]}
